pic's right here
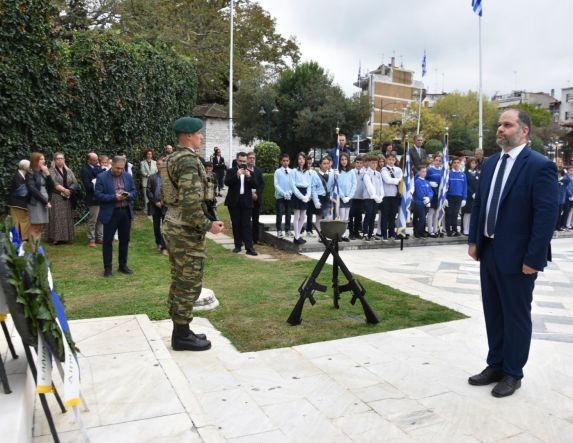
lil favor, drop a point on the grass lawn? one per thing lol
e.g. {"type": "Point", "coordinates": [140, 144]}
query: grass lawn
{"type": "Point", "coordinates": [255, 297]}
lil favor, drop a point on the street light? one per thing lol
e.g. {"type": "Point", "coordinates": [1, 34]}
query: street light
{"type": "Point", "coordinates": [262, 112]}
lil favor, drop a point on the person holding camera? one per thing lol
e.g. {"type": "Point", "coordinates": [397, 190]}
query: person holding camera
{"type": "Point", "coordinates": [240, 184]}
{"type": "Point", "coordinates": [115, 191]}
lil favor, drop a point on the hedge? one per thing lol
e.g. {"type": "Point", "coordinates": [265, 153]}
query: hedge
{"type": "Point", "coordinates": [96, 92]}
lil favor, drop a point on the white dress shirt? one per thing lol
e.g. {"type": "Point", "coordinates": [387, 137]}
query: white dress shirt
{"type": "Point", "coordinates": [508, 165]}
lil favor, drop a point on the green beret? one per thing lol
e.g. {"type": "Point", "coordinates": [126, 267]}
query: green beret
{"type": "Point", "coordinates": [187, 125]}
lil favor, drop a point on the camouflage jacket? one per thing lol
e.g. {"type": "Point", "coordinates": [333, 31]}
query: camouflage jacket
{"type": "Point", "coordinates": [188, 174]}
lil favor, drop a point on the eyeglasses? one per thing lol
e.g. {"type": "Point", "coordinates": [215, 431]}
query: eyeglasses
{"type": "Point", "coordinates": [59, 158]}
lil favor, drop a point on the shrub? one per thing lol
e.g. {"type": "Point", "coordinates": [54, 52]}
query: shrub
{"type": "Point", "coordinates": [268, 156]}
{"type": "Point", "coordinates": [268, 203]}
{"type": "Point", "coordinates": [432, 146]}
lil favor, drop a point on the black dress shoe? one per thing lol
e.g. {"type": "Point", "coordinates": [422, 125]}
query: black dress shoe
{"type": "Point", "coordinates": [125, 270]}
{"type": "Point", "coordinates": [252, 252]}
{"type": "Point", "coordinates": [236, 250]}
{"type": "Point", "coordinates": [487, 376]}
{"type": "Point", "coordinates": [107, 273]}
{"type": "Point", "coordinates": [506, 387]}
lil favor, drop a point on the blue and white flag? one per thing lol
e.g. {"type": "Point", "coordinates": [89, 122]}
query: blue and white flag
{"type": "Point", "coordinates": [444, 183]}
{"type": "Point", "coordinates": [476, 6]}
{"type": "Point", "coordinates": [359, 72]}
{"type": "Point", "coordinates": [406, 190]}
{"type": "Point", "coordinates": [424, 65]}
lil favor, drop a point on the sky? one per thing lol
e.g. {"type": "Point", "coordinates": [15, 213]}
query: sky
{"type": "Point", "coordinates": [526, 44]}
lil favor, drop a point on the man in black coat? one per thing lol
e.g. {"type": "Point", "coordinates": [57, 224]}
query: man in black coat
{"type": "Point", "coordinates": [418, 154]}
{"type": "Point", "coordinates": [88, 175]}
{"type": "Point", "coordinates": [241, 183]}
{"type": "Point", "coordinates": [219, 169]}
{"type": "Point", "coordinates": [257, 194]}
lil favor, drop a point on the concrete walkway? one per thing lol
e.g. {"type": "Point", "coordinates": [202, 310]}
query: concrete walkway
{"type": "Point", "coordinates": [400, 386]}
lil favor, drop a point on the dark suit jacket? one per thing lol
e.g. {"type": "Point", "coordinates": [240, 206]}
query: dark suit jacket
{"type": "Point", "coordinates": [87, 174]}
{"type": "Point", "coordinates": [233, 183]}
{"type": "Point", "coordinates": [258, 175]}
{"type": "Point", "coordinates": [526, 215]}
{"type": "Point", "coordinates": [105, 194]}
{"type": "Point", "coordinates": [416, 158]}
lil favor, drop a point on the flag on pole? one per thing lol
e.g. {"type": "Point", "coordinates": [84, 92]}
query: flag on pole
{"type": "Point", "coordinates": [444, 182]}
{"type": "Point", "coordinates": [359, 72]}
{"type": "Point", "coordinates": [406, 189]}
{"type": "Point", "coordinates": [424, 65]}
{"type": "Point", "coordinates": [476, 6]}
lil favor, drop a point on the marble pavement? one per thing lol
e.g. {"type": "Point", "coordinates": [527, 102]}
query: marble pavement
{"type": "Point", "coordinates": [399, 386]}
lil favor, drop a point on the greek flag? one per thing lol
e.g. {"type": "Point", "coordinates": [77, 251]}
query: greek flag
{"type": "Point", "coordinates": [424, 65]}
{"type": "Point", "coordinates": [334, 202]}
{"type": "Point", "coordinates": [444, 181]}
{"type": "Point", "coordinates": [476, 6]}
{"type": "Point", "coordinates": [359, 73]}
{"type": "Point", "coordinates": [406, 190]}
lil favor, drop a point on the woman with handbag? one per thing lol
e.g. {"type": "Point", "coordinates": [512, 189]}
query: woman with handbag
{"type": "Point", "coordinates": [40, 184]}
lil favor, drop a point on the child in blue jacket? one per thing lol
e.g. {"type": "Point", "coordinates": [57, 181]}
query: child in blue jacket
{"type": "Point", "coordinates": [421, 202]}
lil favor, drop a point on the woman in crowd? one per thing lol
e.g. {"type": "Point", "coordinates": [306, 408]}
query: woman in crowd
{"type": "Point", "coordinates": [61, 224]}
{"type": "Point", "coordinates": [18, 200]}
{"type": "Point", "coordinates": [301, 192]}
{"type": "Point", "coordinates": [472, 177]}
{"type": "Point", "coordinates": [381, 163]}
{"type": "Point", "coordinates": [40, 185]}
{"type": "Point", "coordinates": [346, 188]}
{"type": "Point", "coordinates": [148, 167]}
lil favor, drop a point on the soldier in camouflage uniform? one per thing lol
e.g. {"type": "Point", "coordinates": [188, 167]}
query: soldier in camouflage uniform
{"type": "Point", "coordinates": [184, 230]}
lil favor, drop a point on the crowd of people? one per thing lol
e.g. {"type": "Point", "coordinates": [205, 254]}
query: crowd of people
{"type": "Point", "coordinates": [369, 193]}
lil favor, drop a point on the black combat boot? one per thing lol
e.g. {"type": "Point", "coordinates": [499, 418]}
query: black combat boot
{"type": "Point", "coordinates": [183, 339]}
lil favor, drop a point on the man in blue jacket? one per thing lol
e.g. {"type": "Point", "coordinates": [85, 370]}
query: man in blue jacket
{"type": "Point", "coordinates": [512, 223]}
{"type": "Point", "coordinates": [115, 191]}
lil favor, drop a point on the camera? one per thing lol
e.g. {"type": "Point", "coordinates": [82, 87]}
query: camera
{"type": "Point", "coordinates": [125, 194]}
{"type": "Point", "coordinates": [243, 166]}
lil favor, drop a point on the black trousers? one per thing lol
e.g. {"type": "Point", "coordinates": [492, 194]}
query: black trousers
{"type": "Point", "coordinates": [507, 309]}
{"type": "Point", "coordinates": [452, 212]}
{"type": "Point", "coordinates": [220, 174]}
{"type": "Point", "coordinates": [355, 216]}
{"type": "Point", "coordinates": [419, 220]}
{"type": "Point", "coordinates": [390, 206]}
{"type": "Point", "coordinates": [255, 221]}
{"type": "Point", "coordinates": [370, 207]}
{"type": "Point", "coordinates": [158, 216]}
{"type": "Point", "coordinates": [121, 223]}
{"type": "Point", "coordinates": [282, 207]}
{"type": "Point", "coordinates": [242, 226]}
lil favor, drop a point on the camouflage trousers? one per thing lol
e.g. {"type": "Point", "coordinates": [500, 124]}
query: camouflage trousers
{"type": "Point", "coordinates": [187, 264]}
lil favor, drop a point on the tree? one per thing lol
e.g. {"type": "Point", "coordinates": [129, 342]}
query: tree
{"type": "Point", "coordinates": [432, 124]}
{"type": "Point", "coordinates": [310, 108]}
{"type": "Point", "coordinates": [461, 114]}
{"type": "Point", "coordinates": [539, 117]}
{"type": "Point", "coordinates": [199, 31]}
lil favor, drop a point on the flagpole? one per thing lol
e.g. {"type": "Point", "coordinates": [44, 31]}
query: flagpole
{"type": "Point", "coordinates": [231, 85]}
{"type": "Point", "coordinates": [419, 111]}
{"type": "Point", "coordinates": [480, 129]}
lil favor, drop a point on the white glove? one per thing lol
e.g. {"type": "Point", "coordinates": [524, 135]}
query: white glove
{"type": "Point", "coordinates": [347, 199]}
{"type": "Point", "coordinates": [474, 195]}
{"type": "Point", "coordinates": [378, 200]}
{"type": "Point", "coordinates": [463, 203]}
{"type": "Point", "coordinates": [336, 172]}
{"type": "Point", "coordinates": [317, 205]}
{"type": "Point", "coordinates": [427, 205]}
{"type": "Point", "coordinates": [446, 204]}
{"type": "Point", "coordinates": [571, 199]}
{"type": "Point", "coordinates": [433, 184]}
{"type": "Point", "coordinates": [305, 199]}
{"type": "Point", "coordinates": [426, 200]}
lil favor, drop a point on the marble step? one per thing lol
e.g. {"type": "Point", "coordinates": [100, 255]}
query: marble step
{"type": "Point", "coordinates": [133, 388]}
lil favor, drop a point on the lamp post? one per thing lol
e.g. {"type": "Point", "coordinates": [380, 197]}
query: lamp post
{"type": "Point", "coordinates": [263, 112]}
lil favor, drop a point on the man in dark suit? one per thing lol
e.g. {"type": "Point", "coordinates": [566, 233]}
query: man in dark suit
{"type": "Point", "coordinates": [512, 223]}
{"type": "Point", "coordinates": [88, 174]}
{"type": "Point", "coordinates": [257, 194]}
{"type": "Point", "coordinates": [115, 191]}
{"type": "Point", "coordinates": [219, 168]}
{"type": "Point", "coordinates": [240, 185]}
{"type": "Point", "coordinates": [417, 153]}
